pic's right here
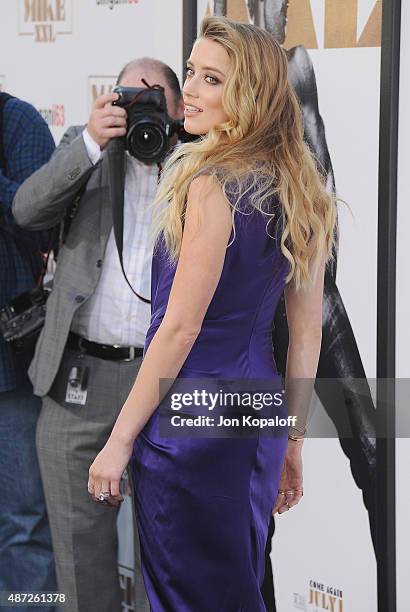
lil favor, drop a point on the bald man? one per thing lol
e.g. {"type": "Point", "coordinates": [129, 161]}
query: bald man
{"type": "Point", "coordinates": [90, 349]}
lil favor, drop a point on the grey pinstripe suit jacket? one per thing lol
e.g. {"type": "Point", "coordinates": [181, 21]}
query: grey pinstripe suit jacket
{"type": "Point", "coordinates": [41, 203]}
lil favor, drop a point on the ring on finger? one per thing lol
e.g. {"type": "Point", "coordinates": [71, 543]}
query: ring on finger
{"type": "Point", "coordinates": [103, 496]}
{"type": "Point", "coordinates": [98, 500]}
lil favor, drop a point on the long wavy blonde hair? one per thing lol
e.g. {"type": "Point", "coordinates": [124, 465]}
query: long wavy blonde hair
{"type": "Point", "coordinates": [260, 148]}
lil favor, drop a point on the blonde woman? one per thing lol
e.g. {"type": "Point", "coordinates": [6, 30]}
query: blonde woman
{"type": "Point", "coordinates": [247, 218]}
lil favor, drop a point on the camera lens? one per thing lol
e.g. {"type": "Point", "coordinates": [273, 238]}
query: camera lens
{"type": "Point", "coordinates": [147, 141]}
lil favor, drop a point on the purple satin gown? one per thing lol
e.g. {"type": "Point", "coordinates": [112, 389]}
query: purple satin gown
{"type": "Point", "coordinates": [203, 505]}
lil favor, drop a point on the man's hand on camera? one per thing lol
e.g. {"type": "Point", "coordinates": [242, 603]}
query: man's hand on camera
{"type": "Point", "coordinates": [106, 121]}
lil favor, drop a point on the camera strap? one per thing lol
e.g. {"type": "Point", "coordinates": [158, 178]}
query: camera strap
{"type": "Point", "coordinates": [116, 182]}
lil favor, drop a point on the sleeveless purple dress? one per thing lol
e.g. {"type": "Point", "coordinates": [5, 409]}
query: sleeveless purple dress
{"type": "Point", "coordinates": [203, 505]}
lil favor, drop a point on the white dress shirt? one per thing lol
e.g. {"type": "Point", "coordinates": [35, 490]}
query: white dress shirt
{"type": "Point", "coordinates": [114, 314]}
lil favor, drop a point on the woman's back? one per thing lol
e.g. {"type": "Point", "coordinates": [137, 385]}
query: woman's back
{"type": "Point", "coordinates": [235, 338]}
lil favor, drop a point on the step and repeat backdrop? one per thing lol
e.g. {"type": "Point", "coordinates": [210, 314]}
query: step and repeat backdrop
{"type": "Point", "coordinates": [61, 54]}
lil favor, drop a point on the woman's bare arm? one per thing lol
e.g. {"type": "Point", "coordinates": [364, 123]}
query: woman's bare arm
{"type": "Point", "coordinates": [304, 315]}
{"type": "Point", "coordinates": [207, 229]}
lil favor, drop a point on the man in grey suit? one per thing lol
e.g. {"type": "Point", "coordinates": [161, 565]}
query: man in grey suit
{"type": "Point", "coordinates": [90, 348]}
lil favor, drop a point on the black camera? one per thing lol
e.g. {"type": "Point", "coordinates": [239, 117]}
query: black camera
{"type": "Point", "coordinates": [149, 127]}
{"type": "Point", "coordinates": [21, 319]}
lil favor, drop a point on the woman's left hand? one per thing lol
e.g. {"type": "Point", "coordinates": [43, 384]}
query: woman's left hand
{"type": "Point", "coordinates": [106, 471]}
{"type": "Point", "coordinates": [291, 481]}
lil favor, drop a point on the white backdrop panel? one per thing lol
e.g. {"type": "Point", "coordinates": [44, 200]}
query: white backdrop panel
{"type": "Point", "coordinates": [91, 41]}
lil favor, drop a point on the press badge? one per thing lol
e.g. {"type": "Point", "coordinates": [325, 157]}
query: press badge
{"type": "Point", "coordinates": [77, 386]}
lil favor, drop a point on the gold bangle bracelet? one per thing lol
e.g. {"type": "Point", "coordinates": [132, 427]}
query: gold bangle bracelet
{"type": "Point", "coordinates": [301, 431]}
